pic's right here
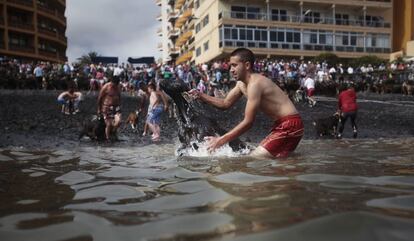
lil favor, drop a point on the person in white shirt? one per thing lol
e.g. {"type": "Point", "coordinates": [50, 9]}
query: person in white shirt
{"type": "Point", "coordinates": [350, 70]}
{"type": "Point", "coordinates": [332, 73]}
{"type": "Point", "coordinates": [310, 90]}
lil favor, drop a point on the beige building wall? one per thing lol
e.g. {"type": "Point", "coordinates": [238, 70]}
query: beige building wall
{"type": "Point", "coordinates": [208, 33]}
{"type": "Point", "coordinates": [368, 35]}
{"type": "Point", "coordinates": [410, 48]}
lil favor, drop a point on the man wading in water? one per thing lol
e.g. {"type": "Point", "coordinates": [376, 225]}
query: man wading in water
{"type": "Point", "coordinates": [109, 104]}
{"type": "Point", "coordinates": [262, 94]}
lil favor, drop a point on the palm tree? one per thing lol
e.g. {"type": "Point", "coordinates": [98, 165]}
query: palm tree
{"type": "Point", "coordinates": [86, 59]}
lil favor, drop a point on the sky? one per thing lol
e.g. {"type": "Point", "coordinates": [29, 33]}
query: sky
{"type": "Point", "coordinates": [115, 28]}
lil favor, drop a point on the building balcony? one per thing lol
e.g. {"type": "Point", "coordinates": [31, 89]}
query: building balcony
{"type": "Point", "coordinates": [159, 17]}
{"type": "Point", "coordinates": [172, 16]}
{"type": "Point", "coordinates": [369, 3]}
{"type": "Point", "coordinates": [62, 2]}
{"type": "Point", "coordinates": [183, 17]}
{"type": "Point", "coordinates": [21, 26]}
{"type": "Point", "coordinates": [158, 2]}
{"type": "Point", "coordinates": [47, 31]}
{"type": "Point", "coordinates": [46, 10]}
{"type": "Point", "coordinates": [62, 38]}
{"type": "Point", "coordinates": [159, 31]}
{"type": "Point", "coordinates": [305, 48]}
{"type": "Point", "coordinates": [173, 33]}
{"type": "Point", "coordinates": [27, 3]}
{"type": "Point", "coordinates": [47, 53]}
{"type": "Point", "coordinates": [300, 19]}
{"type": "Point", "coordinates": [183, 38]}
{"type": "Point", "coordinates": [179, 3]}
{"type": "Point", "coordinates": [184, 57]}
{"type": "Point", "coordinates": [20, 48]}
{"type": "Point", "coordinates": [174, 51]}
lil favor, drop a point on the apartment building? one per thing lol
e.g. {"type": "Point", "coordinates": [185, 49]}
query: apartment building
{"type": "Point", "coordinates": [285, 28]}
{"type": "Point", "coordinates": [177, 30]}
{"type": "Point", "coordinates": [33, 30]}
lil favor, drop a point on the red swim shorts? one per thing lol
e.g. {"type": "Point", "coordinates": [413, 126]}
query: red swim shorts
{"type": "Point", "coordinates": [285, 135]}
{"type": "Point", "coordinates": [310, 92]}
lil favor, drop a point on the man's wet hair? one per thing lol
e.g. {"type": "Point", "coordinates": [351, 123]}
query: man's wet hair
{"type": "Point", "coordinates": [115, 79]}
{"type": "Point", "coordinates": [245, 55]}
{"type": "Point", "coordinates": [152, 85]}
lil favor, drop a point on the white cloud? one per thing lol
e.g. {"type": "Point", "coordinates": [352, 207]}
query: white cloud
{"type": "Point", "coordinates": [123, 28]}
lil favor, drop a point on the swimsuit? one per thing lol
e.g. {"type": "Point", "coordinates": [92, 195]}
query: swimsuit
{"type": "Point", "coordinates": [285, 135]}
{"type": "Point", "coordinates": [154, 114]}
{"type": "Point", "coordinates": [109, 112]}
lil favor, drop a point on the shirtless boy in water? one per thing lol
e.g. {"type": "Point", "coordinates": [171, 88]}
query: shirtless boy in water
{"type": "Point", "coordinates": [157, 104]}
{"type": "Point", "coordinates": [262, 94]}
{"type": "Point", "coordinates": [109, 105]}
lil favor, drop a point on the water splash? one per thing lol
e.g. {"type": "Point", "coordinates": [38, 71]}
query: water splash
{"type": "Point", "coordinates": [201, 151]}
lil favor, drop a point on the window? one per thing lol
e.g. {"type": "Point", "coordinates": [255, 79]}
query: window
{"type": "Point", "coordinates": [205, 21]}
{"type": "Point", "coordinates": [205, 46]}
{"type": "Point", "coordinates": [311, 17]}
{"type": "Point", "coordinates": [227, 33]}
{"type": "Point", "coordinates": [242, 34]}
{"type": "Point", "coordinates": [279, 15]}
{"type": "Point", "coordinates": [253, 13]}
{"type": "Point", "coordinates": [196, 4]}
{"type": "Point", "coordinates": [260, 35]}
{"type": "Point", "coordinates": [198, 27]}
{"type": "Point", "coordinates": [314, 38]}
{"type": "Point", "coordinates": [198, 51]}
{"type": "Point", "coordinates": [238, 12]}
{"type": "Point", "coordinates": [281, 36]}
{"type": "Point", "coordinates": [341, 19]}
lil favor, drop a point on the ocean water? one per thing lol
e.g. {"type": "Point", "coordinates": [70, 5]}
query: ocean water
{"type": "Point", "coordinates": [327, 190]}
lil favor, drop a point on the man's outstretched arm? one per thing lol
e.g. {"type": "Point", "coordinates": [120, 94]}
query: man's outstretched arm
{"type": "Point", "coordinates": [252, 106]}
{"type": "Point", "coordinates": [225, 103]}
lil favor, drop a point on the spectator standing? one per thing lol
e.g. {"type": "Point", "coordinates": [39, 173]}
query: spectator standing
{"type": "Point", "coordinates": [347, 107]}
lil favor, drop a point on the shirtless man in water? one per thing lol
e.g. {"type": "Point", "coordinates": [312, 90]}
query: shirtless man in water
{"type": "Point", "coordinates": [157, 104]}
{"type": "Point", "coordinates": [262, 94]}
{"type": "Point", "coordinates": [109, 105]}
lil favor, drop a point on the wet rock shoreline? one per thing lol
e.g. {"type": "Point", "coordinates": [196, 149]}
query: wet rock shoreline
{"type": "Point", "coordinates": [32, 119]}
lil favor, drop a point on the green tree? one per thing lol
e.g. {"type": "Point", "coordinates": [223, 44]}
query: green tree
{"type": "Point", "coordinates": [87, 58]}
{"type": "Point", "coordinates": [330, 58]}
{"type": "Point", "coordinates": [366, 60]}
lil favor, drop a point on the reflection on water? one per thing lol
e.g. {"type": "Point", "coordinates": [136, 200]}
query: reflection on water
{"type": "Point", "coordinates": [328, 190]}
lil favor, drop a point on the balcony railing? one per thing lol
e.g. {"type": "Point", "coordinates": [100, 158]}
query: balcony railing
{"type": "Point", "coordinates": [46, 31]}
{"type": "Point", "coordinates": [47, 53]}
{"type": "Point", "coordinates": [174, 51]}
{"type": "Point", "coordinates": [46, 9]}
{"type": "Point", "coordinates": [28, 3]}
{"type": "Point", "coordinates": [20, 48]}
{"type": "Point", "coordinates": [62, 37]}
{"type": "Point", "coordinates": [303, 19]}
{"type": "Point", "coordinates": [173, 33]}
{"type": "Point", "coordinates": [21, 25]}
{"type": "Point", "coordinates": [298, 46]}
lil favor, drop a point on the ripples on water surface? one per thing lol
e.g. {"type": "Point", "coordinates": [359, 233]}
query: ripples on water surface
{"type": "Point", "coordinates": [328, 190]}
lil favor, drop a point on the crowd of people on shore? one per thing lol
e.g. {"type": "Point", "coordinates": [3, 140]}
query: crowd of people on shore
{"type": "Point", "coordinates": [212, 78]}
